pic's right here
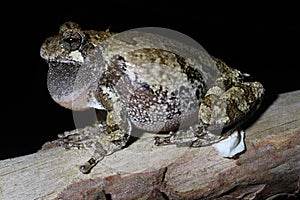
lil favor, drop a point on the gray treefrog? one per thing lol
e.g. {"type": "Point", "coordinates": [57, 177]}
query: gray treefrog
{"type": "Point", "coordinates": [145, 82]}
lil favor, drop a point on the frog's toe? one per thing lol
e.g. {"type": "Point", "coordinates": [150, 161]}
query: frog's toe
{"type": "Point", "coordinates": [159, 141]}
{"type": "Point", "coordinates": [69, 144]}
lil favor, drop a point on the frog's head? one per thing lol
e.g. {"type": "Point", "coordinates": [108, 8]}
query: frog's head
{"type": "Point", "coordinates": [66, 54]}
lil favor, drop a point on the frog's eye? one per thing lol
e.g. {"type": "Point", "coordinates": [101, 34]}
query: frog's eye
{"type": "Point", "coordinates": [71, 40]}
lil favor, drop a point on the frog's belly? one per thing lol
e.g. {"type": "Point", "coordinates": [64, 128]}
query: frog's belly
{"type": "Point", "coordinates": [161, 98]}
{"type": "Point", "coordinates": [156, 122]}
{"type": "Point", "coordinates": [153, 112]}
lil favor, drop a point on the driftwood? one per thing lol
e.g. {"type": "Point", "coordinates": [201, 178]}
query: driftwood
{"type": "Point", "coordinates": [270, 167]}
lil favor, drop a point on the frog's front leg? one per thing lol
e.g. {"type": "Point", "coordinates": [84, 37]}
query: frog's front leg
{"type": "Point", "coordinates": [100, 140]}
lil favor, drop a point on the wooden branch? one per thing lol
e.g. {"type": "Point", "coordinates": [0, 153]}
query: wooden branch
{"type": "Point", "coordinates": [270, 166]}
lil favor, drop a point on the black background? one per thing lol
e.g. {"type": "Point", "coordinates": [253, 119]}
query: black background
{"type": "Point", "coordinates": [262, 40]}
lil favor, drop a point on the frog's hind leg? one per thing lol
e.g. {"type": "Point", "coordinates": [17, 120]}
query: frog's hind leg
{"type": "Point", "coordinates": [215, 113]}
{"type": "Point", "coordinates": [228, 145]}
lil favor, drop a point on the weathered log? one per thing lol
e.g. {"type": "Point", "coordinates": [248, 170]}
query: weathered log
{"type": "Point", "coordinates": [270, 167]}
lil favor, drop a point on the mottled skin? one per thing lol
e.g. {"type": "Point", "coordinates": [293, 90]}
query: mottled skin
{"type": "Point", "coordinates": [143, 82]}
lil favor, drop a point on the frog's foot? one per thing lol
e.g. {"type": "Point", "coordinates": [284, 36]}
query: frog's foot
{"type": "Point", "coordinates": [160, 141]}
{"type": "Point", "coordinates": [231, 145]}
{"type": "Point", "coordinates": [92, 139]}
{"type": "Point", "coordinates": [80, 138]}
{"type": "Point", "coordinates": [95, 140]}
{"type": "Point", "coordinates": [71, 140]}
{"type": "Point", "coordinates": [228, 145]}
{"type": "Point", "coordinates": [187, 138]}
{"type": "Point", "coordinates": [179, 138]}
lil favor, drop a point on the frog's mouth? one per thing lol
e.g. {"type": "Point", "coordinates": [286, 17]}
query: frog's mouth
{"type": "Point", "coordinates": [65, 86]}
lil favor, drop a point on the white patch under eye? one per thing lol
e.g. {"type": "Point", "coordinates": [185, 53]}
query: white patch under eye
{"type": "Point", "coordinates": [76, 55]}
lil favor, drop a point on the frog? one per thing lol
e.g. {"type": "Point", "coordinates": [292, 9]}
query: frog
{"type": "Point", "coordinates": [150, 83]}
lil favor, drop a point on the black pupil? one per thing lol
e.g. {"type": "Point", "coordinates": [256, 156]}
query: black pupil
{"type": "Point", "coordinates": [71, 40]}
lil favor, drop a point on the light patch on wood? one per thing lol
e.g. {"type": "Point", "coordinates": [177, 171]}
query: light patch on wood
{"type": "Point", "coordinates": [232, 145]}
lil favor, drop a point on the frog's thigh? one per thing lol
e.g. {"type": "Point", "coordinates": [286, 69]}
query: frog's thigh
{"type": "Point", "coordinates": [232, 105]}
{"type": "Point", "coordinates": [218, 111]}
